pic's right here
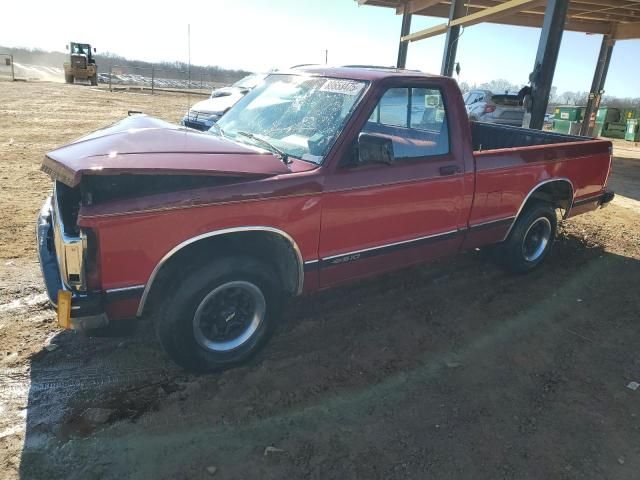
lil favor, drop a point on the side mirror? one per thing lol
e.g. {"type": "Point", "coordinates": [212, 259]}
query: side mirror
{"type": "Point", "coordinates": [375, 149]}
{"type": "Point", "coordinates": [66, 46]}
{"type": "Point", "coordinates": [94, 49]}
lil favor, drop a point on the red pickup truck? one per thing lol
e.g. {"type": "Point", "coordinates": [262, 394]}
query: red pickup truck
{"type": "Point", "coordinates": [316, 177]}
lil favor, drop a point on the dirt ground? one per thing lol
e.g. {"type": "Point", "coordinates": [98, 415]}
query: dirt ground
{"type": "Point", "coordinates": [451, 370]}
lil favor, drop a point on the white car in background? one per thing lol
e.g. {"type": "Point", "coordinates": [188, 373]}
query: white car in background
{"type": "Point", "coordinates": [501, 108]}
{"type": "Point", "coordinates": [204, 114]}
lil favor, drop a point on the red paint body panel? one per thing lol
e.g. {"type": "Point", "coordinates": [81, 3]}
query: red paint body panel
{"type": "Point", "coordinates": [503, 179]}
{"type": "Point", "coordinates": [407, 212]}
{"type": "Point", "coordinates": [132, 246]}
{"type": "Point", "coordinates": [121, 309]}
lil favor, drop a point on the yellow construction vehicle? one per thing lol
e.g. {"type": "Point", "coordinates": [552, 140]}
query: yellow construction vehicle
{"type": "Point", "coordinates": [81, 64]}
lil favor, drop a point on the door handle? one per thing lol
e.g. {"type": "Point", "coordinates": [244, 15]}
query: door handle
{"type": "Point", "coordinates": [450, 170]}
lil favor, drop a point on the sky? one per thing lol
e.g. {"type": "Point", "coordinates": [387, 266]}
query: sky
{"type": "Point", "coordinates": [259, 35]}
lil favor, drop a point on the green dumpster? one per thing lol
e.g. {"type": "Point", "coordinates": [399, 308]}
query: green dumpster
{"type": "Point", "coordinates": [608, 115]}
{"type": "Point", "coordinates": [561, 126]}
{"type": "Point", "coordinates": [614, 130]}
{"type": "Point", "coordinates": [566, 126]}
{"type": "Point", "coordinates": [570, 113]}
{"type": "Point", "coordinates": [605, 117]}
{"type": "Point", "coordinates": [632, 132]}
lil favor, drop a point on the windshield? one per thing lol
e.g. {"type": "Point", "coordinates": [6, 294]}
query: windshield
{"type": "Point", "coordinates": [80, 48]}
{"type": "Point", "coordinates": [250, 81]}
{"type": "Point", "coordinates": [299, 116]}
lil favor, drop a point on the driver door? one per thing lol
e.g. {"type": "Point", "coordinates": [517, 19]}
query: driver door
{"type": "Point", "coordinates": [377, 216]}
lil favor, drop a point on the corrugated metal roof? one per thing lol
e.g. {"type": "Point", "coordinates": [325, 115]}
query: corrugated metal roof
{"type": "Point", "coordinates": [620, 18]}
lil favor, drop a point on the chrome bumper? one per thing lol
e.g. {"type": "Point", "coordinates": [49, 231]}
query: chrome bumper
{"type": "Point", "coordinates": [86, 309]}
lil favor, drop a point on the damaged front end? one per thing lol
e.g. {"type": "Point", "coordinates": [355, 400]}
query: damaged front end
{"type": "Point", "coordinates": [137, 162]}
{"type": "Point", "coordinates": [66, 253]}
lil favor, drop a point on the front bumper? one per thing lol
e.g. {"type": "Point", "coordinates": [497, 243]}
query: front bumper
{"type": "Point", "coordinates": [87, 310]}
{"type": "Point", "coordinates": [195, 125]}
{"type": "Point", "coordinates": [202, 121]}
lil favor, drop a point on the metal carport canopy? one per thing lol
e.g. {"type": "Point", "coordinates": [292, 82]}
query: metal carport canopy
{"type": "Point", "coordinates": [613, 19]}
{"type": "Point", "coordinates": [618, 18]}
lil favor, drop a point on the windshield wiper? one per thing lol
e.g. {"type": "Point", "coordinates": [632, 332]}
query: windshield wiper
{"type": "Point", "coordinates": [218, 129]}
{"type": "Point", "coordinates": [283, 156]}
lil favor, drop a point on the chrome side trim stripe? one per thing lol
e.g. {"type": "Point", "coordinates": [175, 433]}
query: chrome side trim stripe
{"type": "Point", "coordinates": [387, 248]}
{"type": "Point", "coordinates": [132, 288]}
{"type": "Point", "coordinates": [584, 201]}
{"type": "Point", "coordinates": [311, 265]}
{"type": "Point", "coordinates": [491, 223]}
{"type": "Point", "coordinates": [124, 293]}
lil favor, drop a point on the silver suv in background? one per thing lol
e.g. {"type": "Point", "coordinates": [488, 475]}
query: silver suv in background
{"type": "Point", "coordinates": [502, 108]}
{"type": "Point", "coordinates": [204, 114]}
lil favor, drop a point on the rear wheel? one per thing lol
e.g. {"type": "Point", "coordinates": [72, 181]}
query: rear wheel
{"type": "Point", "coordinates": [94, 79]}
{"type": "Point", "coordinates": [220, 314]}
{"type": "Point", "coordinates": [531, 238]}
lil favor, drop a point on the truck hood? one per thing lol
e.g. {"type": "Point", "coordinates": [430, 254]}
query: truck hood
{"type": "Point", "coordinates": [221, 100]}
{"type": "Point", "coordinates": [145, 145]}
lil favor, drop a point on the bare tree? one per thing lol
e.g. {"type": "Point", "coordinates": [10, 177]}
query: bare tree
{"type": "Point", "coordinates": [500, 86]}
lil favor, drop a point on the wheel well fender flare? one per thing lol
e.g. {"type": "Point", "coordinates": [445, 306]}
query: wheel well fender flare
{"type": "Point", "coordinates": [535, 189]}
{"type": "Point", "coordinates": [217, 233]}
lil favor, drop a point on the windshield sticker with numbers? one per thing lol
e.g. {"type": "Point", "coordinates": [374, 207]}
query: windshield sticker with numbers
{"type": "Point", "coordinates": [345, 87]}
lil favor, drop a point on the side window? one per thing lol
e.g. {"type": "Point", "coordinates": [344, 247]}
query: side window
{"type": "Point", "coordinates": [414, 119]}
{"type": "Point", "coordinates": [393, 107]}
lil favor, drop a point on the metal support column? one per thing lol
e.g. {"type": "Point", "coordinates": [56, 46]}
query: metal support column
{"type": "Point", "coordinates": [597, 85]}
{"type": "Point", "coordinates": [404, 46]}
{"type": "Point", "coordinates": [457, 10]}
{"type": "Point", "coordinates": [546, 59]}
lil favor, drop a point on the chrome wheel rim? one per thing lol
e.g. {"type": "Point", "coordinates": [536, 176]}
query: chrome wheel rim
{"type": "Point", "coordinates": [228, 316]}
{"type": "Point", "coordinates": [536, 239]}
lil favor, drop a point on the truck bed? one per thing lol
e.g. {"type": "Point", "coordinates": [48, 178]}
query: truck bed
{"type": "Point", "coordinates": [510, 162]}
{"type": "Point", "coordinates": [490, 136]}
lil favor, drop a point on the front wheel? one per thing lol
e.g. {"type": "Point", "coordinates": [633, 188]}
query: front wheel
{"type": "Point", "coordinates": [220, 314]}
{"type": "Point", "coordinates": [94, 79]}
{"type": "Point", "coordinates": [68, 78]}
{"type": "Point", "coordinates": [531, 238]}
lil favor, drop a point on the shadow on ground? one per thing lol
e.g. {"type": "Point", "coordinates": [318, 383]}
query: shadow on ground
{"type": "Point", "coordinates": [625, 176]}
{"type": "Point", "coordinates": [453, 370]}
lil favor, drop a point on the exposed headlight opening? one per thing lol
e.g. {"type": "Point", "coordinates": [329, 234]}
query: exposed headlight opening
{"type": "Point", "coordinates": [70, 249]}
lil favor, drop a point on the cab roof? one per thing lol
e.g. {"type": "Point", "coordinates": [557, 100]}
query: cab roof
{"type": "Point", "coordinates": [357, 72]}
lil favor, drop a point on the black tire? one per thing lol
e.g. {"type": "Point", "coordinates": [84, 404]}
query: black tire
{"type": "Point", "coordinates": [94, 80]}
{"type": "Point", "coordinates": [525, 248]}
{"type": "Point", "coordinates": [68, 78]}
{"type": "Point", "coordinates": [175, 320]}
